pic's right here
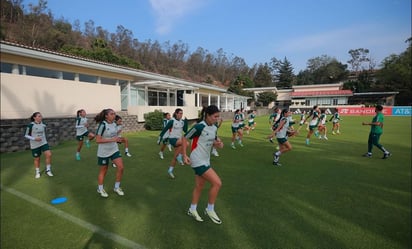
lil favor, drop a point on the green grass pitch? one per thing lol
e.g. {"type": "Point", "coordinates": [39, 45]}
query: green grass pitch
{"type": "Point", "coordinates": [325, 195]}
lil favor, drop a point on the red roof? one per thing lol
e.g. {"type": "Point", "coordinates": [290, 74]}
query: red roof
{"type": "Point", "coordinates": [322, 93]}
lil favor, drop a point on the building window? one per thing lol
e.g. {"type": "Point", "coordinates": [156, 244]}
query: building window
{"type": "Point", "coordinates": [152, 98]}
{"type": "Point", "coordinates": [307, 102]}
{"type": "Point", "coordinates": [87, 78]}
{"type": "Point", "coordinates": [68, 76]}
{"type": "Point", "coordinates": [108, 81]}
{"type": "Point", "coordinates": [334, 101]}
{"type": "Point", "coordinates": [157, 98]}
{"type": "Point", "coordinates": [172, 97]}
{"type": "Point", "coordinates": [162, 99]}
{"type": "Point", "coordinates": [180, 101]}
{"type": "Point", "coordinates": [213, 100]}
{"type": "Point", "coordinates": [205, 100]}
{"type": "Point", "coordinates": [6, 67]}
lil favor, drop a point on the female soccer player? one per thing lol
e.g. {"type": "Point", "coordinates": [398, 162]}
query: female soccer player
{"type": "Point", "coordinates": [282, 132]}
{"type": "Point", "coordinates": [313, 124]}
{"type": "Point", "coordinates": [82, 131]}
{"type": "Point", "coordinates": [36, 133]}
{"type": "Point", "coordinates": [165, 138]}
{"type": "Point", "coordinates": [176, 126]}
{"type": "Point", "coordinates": [251, 120]}
{"type": "Point", "coordinates": [237, 132]}
{"type": "Point", "coordinates": [335, 121]}
{"type": "Point", "coordinates": [274, 121]}
{"type": "Point", "coordinates": [322, 125]}
{"type": "Point", "coordinates": [204, 137]}
{"type": "Point", "coordinates": [119, 125]}
{"type": "Point", "coordinates": [108, 149]}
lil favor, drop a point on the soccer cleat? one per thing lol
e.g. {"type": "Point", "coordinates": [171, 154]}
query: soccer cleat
{"type": "Point", "coordinates": [271, 140]}
{"type": "Point", "coordinates": [87, 144]}
{"type": "Point", "coordinates": [386, 155]}
{"type": "Point", "coordinates": [78, 157]}
{"type": "Point", "coordinates": [367, 155]}
{"type": "Point", "coordinates": [179, 159]}
{"type": "Point", "coordinates": [233, 147]}
{"type": "Point", "coordinates": [128, 154]}
{"type": "Point", "coordinates": [214, 152]}
{"type": "Point", "coordinates": [325, 137]}
{"type": "Point", "coordinates": [37, 175]}
{"type": "Point", "coordinates": [49, 173]}
{"type": "Point", "coordinates": [316, 133]}
{"type": "Point", "coordinates": [213, 216]}
{"type": "Point", "coordinates": [275, 158]}
{"type": "Point", "coordinates": [307, 142]}
{"type": "Point", "coordinates": [114, 165]}
{"type": "Point", "coordinates": [171, 175]}
{"type": "Point", "coordinates": [276, 163]}
{"type": "Point", "coordinates": [169, 146]}
{"type": "Point", "coordinates": [102, 193]}
{"type": "Point", "coordinates": [161, 155]}
{"type": "Point", "coordinates": [241, 144]}
{"type": "Point", "coordinates": [333, 133]}
{"type": "Point", "coordinates": [195, 215]}
{"type": "Point", "coordinates": [118, 191]}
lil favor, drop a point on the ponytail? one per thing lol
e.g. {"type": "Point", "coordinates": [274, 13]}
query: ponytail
{"type": "Point", "coordinates": [102, 115]}
{"type": "Point", "coordinates": [78, 112]}
{"type": "Point", "coordinates": [207, 111]}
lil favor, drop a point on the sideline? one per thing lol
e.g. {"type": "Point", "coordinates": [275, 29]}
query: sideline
{"type": "Point", "coordinates": [96, 229]}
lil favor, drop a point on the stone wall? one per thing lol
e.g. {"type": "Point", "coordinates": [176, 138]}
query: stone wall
{"type": "Point", "coordinates": [57, 130]}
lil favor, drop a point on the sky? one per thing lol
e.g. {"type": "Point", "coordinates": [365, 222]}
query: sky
{"type": "Point", "coordinates": [258, 30]}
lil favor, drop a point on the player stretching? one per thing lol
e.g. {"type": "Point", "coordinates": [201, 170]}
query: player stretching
{"type": "Point", "coordinates": [313, 124]}
{"type": "Point", "coordinates": [282, 132]}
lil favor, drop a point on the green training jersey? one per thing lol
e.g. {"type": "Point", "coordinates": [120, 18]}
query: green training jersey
{"type": "Point", "coordinates": [378, 129]}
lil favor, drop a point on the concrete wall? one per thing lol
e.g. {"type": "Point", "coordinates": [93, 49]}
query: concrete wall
{"type": "Point", "coordinates": [58, 130]}
{"type": "Point", "coordinates": [21, 95]}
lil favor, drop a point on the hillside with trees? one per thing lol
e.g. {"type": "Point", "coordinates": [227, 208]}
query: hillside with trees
{"type": "Point", "coordinates": [36, 26]}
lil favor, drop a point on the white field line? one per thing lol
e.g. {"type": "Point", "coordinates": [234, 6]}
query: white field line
{"type": "Point", "coordinates": [96, 229]}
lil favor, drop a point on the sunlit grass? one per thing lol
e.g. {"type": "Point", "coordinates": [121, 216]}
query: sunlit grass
{"type": "Point", "coordinates": [324, 196]}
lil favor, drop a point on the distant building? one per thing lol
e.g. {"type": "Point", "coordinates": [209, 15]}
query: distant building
{"type": "Point", "coordinates": [324, 95]}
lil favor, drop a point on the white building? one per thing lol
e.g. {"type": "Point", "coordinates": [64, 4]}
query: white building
{"type": "Point", "coordinates": [57, 84]}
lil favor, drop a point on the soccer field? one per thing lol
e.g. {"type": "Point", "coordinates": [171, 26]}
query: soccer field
{"type": "Point", "coordinates": [325, 195]}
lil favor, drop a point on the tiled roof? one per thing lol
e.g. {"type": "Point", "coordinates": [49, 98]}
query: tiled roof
{"type": "Point", "coordinates": [322, 93]}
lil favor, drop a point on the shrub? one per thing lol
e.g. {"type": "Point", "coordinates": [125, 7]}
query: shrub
{"type": "Point", "coordinates": [154, 120]}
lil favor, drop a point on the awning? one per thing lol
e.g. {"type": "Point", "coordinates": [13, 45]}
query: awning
{"type": "Point", "coordinates": [321, 93]}
{"type": "Point", "coordinates": [158, 84]}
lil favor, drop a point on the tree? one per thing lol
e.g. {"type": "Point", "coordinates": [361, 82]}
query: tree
{"type": "Point", "coordinates": [263, 77]}
{"type": "Point", "coordinates": [266, 97]}
{"type": "Point", "coordinates": [396, 75]}
{"type": "Point", "coordinates": [360, 57]}
{"type": "Point", "coordinates": [237, 85]}
{"type": "Point", "coordinates": [323, 70]}
{"type": "Point", "coordinates": [282, 73]}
